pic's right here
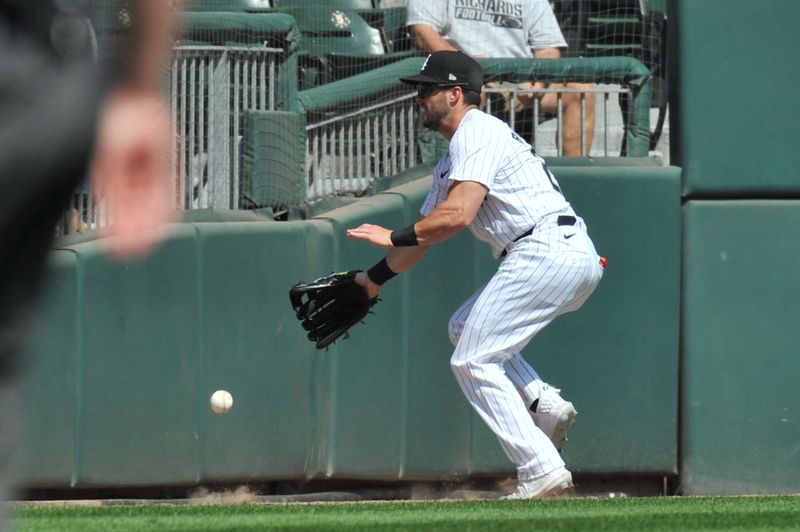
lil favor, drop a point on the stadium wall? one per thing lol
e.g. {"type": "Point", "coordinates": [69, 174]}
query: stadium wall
{"type": "Point", "coordinates": [735, 135]}
{"type": "Point", "coordinates": [130, 353]}
{"type": "Point", "coordinates": [681, 362]}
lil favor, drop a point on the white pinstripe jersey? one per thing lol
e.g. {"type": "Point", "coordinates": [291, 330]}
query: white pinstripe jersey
{"type": "Point", "coordinates": [521, 189]}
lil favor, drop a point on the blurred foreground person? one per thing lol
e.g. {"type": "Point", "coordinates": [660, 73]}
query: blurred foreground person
{"type": "Point", "coordinates": [62, 117]}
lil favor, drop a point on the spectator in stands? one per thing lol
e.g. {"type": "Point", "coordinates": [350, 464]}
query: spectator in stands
{"type": "Point", "coordinates": [47, 134]}
{"type": "Point", "coordinates": [512, 28]}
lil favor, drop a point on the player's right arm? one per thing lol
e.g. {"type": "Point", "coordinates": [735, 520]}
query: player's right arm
{"type": "Point", "coordinates": [453, 214]}
{"type": "Point", "coordinates": [448, 218]}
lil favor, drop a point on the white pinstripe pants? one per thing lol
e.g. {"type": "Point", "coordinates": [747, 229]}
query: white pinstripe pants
{"type": "Point", "coordinates": [543, 276]}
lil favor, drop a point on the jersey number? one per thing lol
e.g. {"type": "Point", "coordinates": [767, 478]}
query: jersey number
{"type": "Point", "coordinates": [547, 171]}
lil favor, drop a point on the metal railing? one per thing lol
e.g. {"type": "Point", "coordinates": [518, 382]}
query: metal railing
{"type": "Point", "coordinates": [84, 212]}
{"type": "Point", "coordinates": [211, 86]}
{"type": "Point", "coordinates": [345, 154]}
{"type": "Point", "coordinates": [545, 137]}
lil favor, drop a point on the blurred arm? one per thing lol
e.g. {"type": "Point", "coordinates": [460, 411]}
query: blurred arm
{"type": "Point", "coordinates": [130, 168]}
{"type": "Point", "coordinates": [428, 40]}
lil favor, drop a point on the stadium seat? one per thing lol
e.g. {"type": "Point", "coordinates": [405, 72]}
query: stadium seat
{"type": "Point", "coordinates": [328, 30]}
{"type": "Point", "coordinates": [226, 5]}
{"type": "Point", "coordinates": [336, 43]}
{"type": "Point", "coordinates": [601, 27]}
{"type": "Point", "coordinates": [391, 22]}
{"type": "Point", "coordinates": [341, 4]}
{"type": "Point", "coordinates": [339, 38]}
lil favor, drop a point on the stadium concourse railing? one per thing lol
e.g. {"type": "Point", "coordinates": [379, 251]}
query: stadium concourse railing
{"type": "Point", "coordinates": [223, 65]}
{"type": "Point", "coordinates": [211, 87]}
{"type": "Point", "coordinates": [510, 92]}
{"type": "Point", "coordinates": [349, 144]}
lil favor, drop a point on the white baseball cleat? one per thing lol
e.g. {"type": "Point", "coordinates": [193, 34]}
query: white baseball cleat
{"type": "Point", "coordinates": [553, 415]}
{"type": "Point", "coordinates": [554, 484]}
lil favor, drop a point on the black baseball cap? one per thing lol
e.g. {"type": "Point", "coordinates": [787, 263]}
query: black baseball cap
{"type": "Point", "coordinates": [448, 68]}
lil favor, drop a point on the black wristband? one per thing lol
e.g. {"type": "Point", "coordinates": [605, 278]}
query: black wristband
{"type": "Point", "coordinates": [404, 237]}
{"type": "Point", "coordinates": [380, 273]}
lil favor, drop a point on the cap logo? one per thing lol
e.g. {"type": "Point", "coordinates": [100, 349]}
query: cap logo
{"type": "Point", "coordinates": [425, 63]}
{"type": "Point", "coordinates": [451, 77]}
{"type": "Point", "coordinates": [340, 19]}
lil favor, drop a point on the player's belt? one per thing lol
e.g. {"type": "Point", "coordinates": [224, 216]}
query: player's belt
{"type": "Point", "coordinates": [566, 220]}
{"type": "Point", "coordinates": [563, 219]}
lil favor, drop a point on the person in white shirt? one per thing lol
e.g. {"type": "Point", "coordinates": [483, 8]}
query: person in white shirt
{"type": "Point", "coordinates": [505, 29]}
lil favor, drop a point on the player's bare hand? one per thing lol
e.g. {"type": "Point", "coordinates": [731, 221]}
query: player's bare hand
{"type": "Point", "coordinates": [130, 170]}
{"type": "Point", "coordinates": [374, 234]}
{"type": "Point", "coordinates": [372, 289]}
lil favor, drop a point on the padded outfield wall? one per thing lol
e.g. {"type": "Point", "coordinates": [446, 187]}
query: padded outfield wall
{"type": "Point", "coordinates": [129, 353]}
{"type": "Point", "coordinates": [735, 134]}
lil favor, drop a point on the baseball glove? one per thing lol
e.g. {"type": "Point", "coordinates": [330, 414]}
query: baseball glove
{"type": "Point", "coordinates": [327, 307]}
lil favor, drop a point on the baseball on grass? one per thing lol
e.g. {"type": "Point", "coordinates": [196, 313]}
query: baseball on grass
{"type": "Point", "coordinates": [221, 401]}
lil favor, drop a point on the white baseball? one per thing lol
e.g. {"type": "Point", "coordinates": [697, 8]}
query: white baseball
{"type": "Point", "coordinates": [221, 401]}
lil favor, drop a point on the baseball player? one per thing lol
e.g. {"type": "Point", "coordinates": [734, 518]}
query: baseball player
{"type": "Point", "coordinates": [493, 183]}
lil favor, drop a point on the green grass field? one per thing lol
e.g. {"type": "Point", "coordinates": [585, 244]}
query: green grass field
{"type": "Point", "coordinates": [627, 514]}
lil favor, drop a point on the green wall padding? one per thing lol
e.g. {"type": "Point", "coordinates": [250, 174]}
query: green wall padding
{"type": "Point", "coordinates": [137, 380]}
{"type": "Point", "coordinates": [367, 372]}
{"type": "Point", "coordinates": [435, 407]}
{"type": "Point", "coordinates": [618, 355]}
{"type": "Point", "coordinates": [51, 383]}
{"type": "Point", "coordinates": [740, 429]}
{"type": "Point", "coordinates": [273, 160]}
{"type": "Point", "coordinates": [153, 339]}
{"type": "Point", "coordinates": [237, 27]}
{"type": "Point", "coordinates": [734, 115]}
{"type": "Point", "coordinates": [250, 348]}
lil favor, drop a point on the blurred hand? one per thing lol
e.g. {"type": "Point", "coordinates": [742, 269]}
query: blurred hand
{"type": "Point", "coordinates": [131, 170]}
